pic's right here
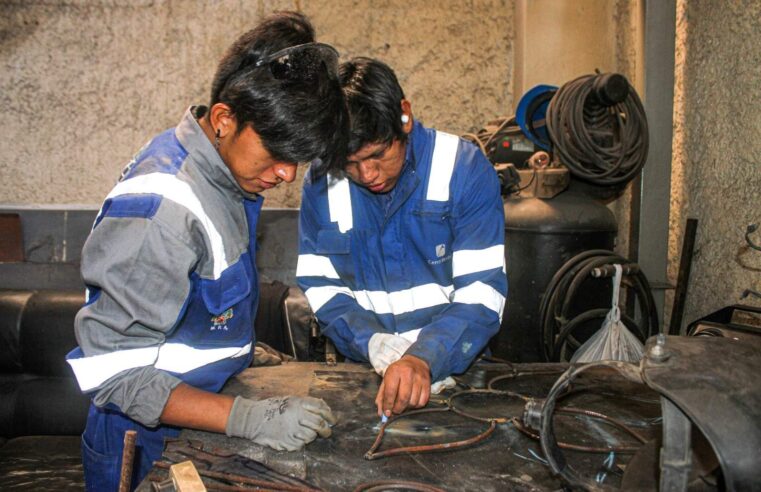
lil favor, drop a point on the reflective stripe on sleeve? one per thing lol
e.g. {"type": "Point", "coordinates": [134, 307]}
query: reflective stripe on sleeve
{"type": "Point", "coordinates": [481, 293]}
{"type": "Point", "coordinates": [171, 188]}
{"type": "Point", "coordinates": [180, 358]}
{"type": "Point", "coordinates": [380, 302]}
{"type": "Point", "coordinates": [315, 266]}
{"type": "Point", "coordinates": [468, 261]}
{"type": "Point", "coordinates": [442, 166]}
{"type": "Point", "coordinates": [95, 370]}
{"type": "Point", "coordinates": [339, 202]}
{"type": "Point", "coordinates": [319, 296]}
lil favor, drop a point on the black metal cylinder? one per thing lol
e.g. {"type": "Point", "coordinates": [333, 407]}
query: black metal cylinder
{"type": "Point", "coordinates": [540, 236]}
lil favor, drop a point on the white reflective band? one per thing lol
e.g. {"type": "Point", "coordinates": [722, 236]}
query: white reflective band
{"type": "Point", "coordinates": [180, 358]}
{"type": "Point", "coordinates": [319, 296]}
{"type": "Point", "coordinates": [480, 293]}
{"type": "Point", "coordinates": [442, 166]}
{"type": "Point", "coordinates": [467, 261]}
{"type": "Point", "coordinates": [171, 188]}
{"type": "Point", "coordinates": [380, 302]}
{"type": "Point", "coordinates": [93, 371]}
{"type": "Point", "coordinates": [404, 301]}
{"type": "Point", "coordinates": [339, 202]}
{"type": "Point", "coordinates": [315, 266]}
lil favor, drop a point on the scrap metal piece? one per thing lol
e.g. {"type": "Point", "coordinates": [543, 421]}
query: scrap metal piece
{"type": "Point", "coordinates": [226, 465]}
{"type": "Point", "coordinates": [723, 402]}
{"type": "Point", "coordinates": [128, 458]}
{"type": "Point", "coordinates": [241, 479]}
{"type": "Point", "coordinates": [676, 455]}
{"type": "Point", "coordinates": [372, 453]}
{"type": "Point", "coordinates": [331, 358]}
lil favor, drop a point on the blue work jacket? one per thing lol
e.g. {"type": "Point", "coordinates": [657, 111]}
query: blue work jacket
{"type": "Point", "coordinates": [172, 293]}
{"type": "Point", "coordinates": [429, 258]}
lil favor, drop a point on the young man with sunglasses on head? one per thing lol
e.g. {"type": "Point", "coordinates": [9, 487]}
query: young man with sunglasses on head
{"type": "Point", "coordinates": [172, 288]}
{"type": "Point", "coordinates": [402, 249]}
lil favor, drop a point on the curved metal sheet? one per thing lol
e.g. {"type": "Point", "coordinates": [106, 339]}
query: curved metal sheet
{"type": "Point", "coordinates": [715, 382]}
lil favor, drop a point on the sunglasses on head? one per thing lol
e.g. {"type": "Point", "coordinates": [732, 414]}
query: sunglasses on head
{"type": "Point", "coordinates": [302, 62]}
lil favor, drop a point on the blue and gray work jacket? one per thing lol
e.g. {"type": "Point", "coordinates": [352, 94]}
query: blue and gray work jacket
{"type": "Point", "coordinates": [172, 287]}
{"type": "Point", "coordinates": [429, 257]}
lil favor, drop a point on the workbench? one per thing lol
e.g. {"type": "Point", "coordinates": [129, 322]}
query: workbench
{"type": "Point", "coordinates": [506, 460]}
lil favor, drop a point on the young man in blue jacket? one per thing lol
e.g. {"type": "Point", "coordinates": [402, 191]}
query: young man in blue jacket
{"type": "Point", "coordinates": [402, 248]}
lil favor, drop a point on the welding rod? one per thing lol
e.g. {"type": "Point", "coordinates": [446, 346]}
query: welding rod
{"type": "Point", "coordinates": [128, 457]}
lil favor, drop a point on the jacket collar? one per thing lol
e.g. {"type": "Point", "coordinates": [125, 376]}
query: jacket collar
{"type": "Point", "coordinates": [209, 163]}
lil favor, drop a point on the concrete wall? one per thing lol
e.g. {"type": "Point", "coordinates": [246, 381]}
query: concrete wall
{"type": "Point", "coordinates": [85, 83]}
{"type": "Point", "coordinates": [716, 174]}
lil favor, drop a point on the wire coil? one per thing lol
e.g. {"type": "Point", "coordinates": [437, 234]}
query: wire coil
{"type": "Point", "coordinates": [602, 139]}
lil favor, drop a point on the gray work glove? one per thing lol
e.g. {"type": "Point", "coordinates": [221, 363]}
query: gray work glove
{"type": "Point", "coordinates": [285, 424]}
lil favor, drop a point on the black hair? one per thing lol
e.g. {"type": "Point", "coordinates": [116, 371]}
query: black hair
{"type": "Point", "coordinates": [374, 97]}
{"type": "Point", "coordinates": [298, 119]}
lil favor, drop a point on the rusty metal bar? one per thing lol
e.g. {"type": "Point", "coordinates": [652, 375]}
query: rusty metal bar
{"type": "Point", "coordinates": [128, 458]}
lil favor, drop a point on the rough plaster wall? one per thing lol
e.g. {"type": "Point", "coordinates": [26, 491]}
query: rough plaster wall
{"type": "Point", "coordinates": [716, 174]}
{"type": "Point", "coordinates": [85, 83]}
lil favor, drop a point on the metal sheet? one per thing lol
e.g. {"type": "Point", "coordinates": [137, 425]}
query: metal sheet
{"type": "Point", "coordinates": [723, 402]}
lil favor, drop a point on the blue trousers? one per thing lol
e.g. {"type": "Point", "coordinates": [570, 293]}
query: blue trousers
{"type": "Point", "coordinates": [103, 442]}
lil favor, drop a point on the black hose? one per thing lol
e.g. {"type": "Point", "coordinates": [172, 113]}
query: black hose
{"type": "Point", "coordinates": [598, 129]}
{"type": "Point", "coordinates": [550, 448]}
{"type": "Point", "coordinates": [557, 318]}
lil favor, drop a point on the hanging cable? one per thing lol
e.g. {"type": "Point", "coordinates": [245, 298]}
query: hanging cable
{"type": "Point", "coordinates": [598, 129]}
{"type": "Point", "coordinates": [559, 321]}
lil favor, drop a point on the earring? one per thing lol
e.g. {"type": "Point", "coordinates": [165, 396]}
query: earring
{"type": "Point", "coordinates": [216, 140]}
{"type": "Point", "coordinates": [405, 119]}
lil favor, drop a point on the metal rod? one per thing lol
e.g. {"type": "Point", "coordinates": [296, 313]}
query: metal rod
{"type": "Point", "coordinates": [429, 448]}
{"type": "Point", "coordinates": [128, 458]}
{"type": "Point", "coordinates": [683, 277]}
{"type": "Point", "coordinates": [607, 271]}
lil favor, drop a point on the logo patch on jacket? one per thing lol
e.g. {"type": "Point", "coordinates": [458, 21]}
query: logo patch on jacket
{"type": "Point", "coordinates": [441, 255]}
{"type": "Point", "coordinates": [220, 322]}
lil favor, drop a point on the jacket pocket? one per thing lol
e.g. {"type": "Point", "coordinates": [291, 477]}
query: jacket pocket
{"type": "Point", "coordinates": [430, 226]}
{"type": "Point", "coordinates": [433, 210]}
{"type": "Point", "coordinates": [102, 471]}
{"type": "Point", "coordinates": [230, 288]}
{"type": "Point", "coordinates": [332, 242]}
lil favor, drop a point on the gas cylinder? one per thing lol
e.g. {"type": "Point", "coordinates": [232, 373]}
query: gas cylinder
{"type": "Point", "coordinates": [540, 236]}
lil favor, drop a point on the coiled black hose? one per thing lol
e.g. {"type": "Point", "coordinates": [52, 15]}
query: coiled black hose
{"type": "Point", "coordinates": [598, 129]}
{"type": "Point", "coordinates": [559, 322]}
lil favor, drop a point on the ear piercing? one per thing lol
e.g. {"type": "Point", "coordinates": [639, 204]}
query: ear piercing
{"type": "Point", "coordinates": [405, 119]}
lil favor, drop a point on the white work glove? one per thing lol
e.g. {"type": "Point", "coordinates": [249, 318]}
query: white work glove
{"type": "Point", "coordinates": [439, 386]}
{"type": "Point", "coordinates": [285, 424]}
{"type": "Point", "coordinates": [384, 349]}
